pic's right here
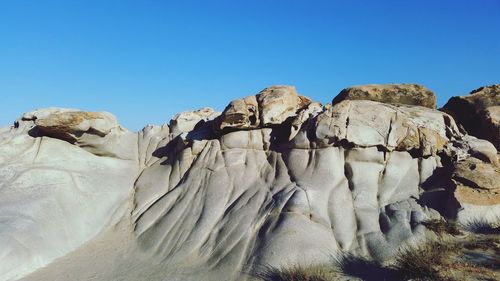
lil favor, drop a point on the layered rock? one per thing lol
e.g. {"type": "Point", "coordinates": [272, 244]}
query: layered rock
{"type": "Point", "coordinates": [478, 113]}
{"type": "Point", "coordinates": [410, 94]}
{"type": "Point", "coordinates": [209, 197]}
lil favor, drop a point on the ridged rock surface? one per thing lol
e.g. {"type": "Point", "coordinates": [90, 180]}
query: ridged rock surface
{"type": "Point", "coordinates": [275, 179]}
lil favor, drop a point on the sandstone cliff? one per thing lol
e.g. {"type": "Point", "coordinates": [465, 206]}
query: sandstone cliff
{"type": "Point", "coordinates": [274, 179]}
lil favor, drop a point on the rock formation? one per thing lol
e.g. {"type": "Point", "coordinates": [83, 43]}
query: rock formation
{"type": "Point", "coordinates": [411, 94]}
{"type": "Point", "coordinates": [275, 179]}
{"type": "Point", "coordinates": [479, 113]}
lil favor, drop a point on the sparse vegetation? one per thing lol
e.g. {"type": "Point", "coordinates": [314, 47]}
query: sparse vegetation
{"type": "Point", "coordinates": [447, 257]}
{"type": "Point", "coordinates": [363, 268]}
{"type": "Point", "coordinates": [442, 227]}
{"type": "Point", "coordinates": [427, 261]}
{"type": "Point", "coordinates": [298, 273]}
{"type": "Point", "coordinates": [481, 226]}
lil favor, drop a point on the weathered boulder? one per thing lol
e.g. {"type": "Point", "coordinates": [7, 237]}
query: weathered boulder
{"type": "Point", "coordinates": [476, 190]}
{"type": "Point", "coordinates": [477, 175]}
{"type": "Point", "coordinates": [241, 114]}
{"type": "Point", "coordinates": [96, 132]}
{"type": "Point", "coordinates": [481, 149]}
{"type": "Point", "coordinates": [403, 128]}
{"type": "Point", "coordinates": [70, 125]}
{"type": "Point", "coordinates": [272, 106]}
{"type": "Point", "coordinates": [186, 121]}
{"type": "Point", "coordinates": [410, 94]}
{"type": "Point", "coordinates": [478, 113]}
{"type": "Point", "coordinates": [278, 103]}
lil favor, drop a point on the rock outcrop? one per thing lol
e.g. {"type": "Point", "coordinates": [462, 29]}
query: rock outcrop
{"type": "Point", "coordinates": [272, 106]}
{"type": "Point", "coordinates": [274, 180]}
{"type": "Point", "coordinates": [410, 94]}
{"type": "Point", "coordinates": [478, 113]}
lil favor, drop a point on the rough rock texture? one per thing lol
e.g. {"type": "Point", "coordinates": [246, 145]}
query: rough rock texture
{"type": "Point", "coordinates": [55, 195]}
{"type": "Point", "coordinates": [478, 113]}
{"type": "Point", "coordinates": [186, 121]}
{"type": "Point", "coordinates": [411, 94]}
{"type": "Point", "coordinates": [276, 179]}
{"type": "Point", "coordinates": [272, 106]}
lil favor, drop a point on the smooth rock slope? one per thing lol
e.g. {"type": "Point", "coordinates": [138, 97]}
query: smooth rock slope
{"type": "Point", "coordinates": [275, 179]}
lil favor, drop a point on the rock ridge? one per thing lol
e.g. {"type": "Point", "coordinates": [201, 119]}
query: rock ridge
{"type": "Point", "coordinates": [213, 194]}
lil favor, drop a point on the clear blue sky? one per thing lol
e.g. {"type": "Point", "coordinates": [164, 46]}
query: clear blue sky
{"type": "Point", "coordinates": [146, 60]}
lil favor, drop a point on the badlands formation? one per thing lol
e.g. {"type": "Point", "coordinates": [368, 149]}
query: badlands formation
{"type": "Point", "coordinates": [274, 180]}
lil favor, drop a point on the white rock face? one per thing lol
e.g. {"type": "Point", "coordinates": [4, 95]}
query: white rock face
{"type": "Point", "coordinates": [193, 201]}
{"type": "Point", "coordinates": [55, 196]}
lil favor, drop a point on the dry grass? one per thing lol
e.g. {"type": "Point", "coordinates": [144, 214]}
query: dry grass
{"type": "Point", "coordinates": [426, 261]}
{"type": "Point", "coordinates": [481, 226]}
{"type": "Point", "coordinates": [363, 268]}
{"type": "Point", "coordinates": [298, 273]}
{"type": "Point", "coordinates": [442, 227]}
{"type": "Point", "coordinates": [447, 257]}
{"type": "Point", "coordinates": [451, 259]}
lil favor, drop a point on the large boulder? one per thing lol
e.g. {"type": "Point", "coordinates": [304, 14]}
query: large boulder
{"type": "Point", "coordinates": [403, 128]}
{"type": "Point", "coordinates": [278, 103]}
{"type": "Point", "coordinates": [241, 114]}
{"type": "Point", "coordinates": [96, 132]}
{"type": "Point", "coordinates": [410, 94]}
{"type": "Point", "coordinates": [271, 106]}
{"type": "Point", "coordinates": [476, 191]}
{"type": "Point", "coordinates": [70, 125]}
{"type": "Point", "coordinates": [479, 177]}
{"type": "Point", "coordinates": [186, 121]}
{"type": "Point", "coordinates": [478, 112]}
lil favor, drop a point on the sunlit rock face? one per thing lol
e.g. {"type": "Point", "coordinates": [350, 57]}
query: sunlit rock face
{"type": "Point", "coordinates": [275, 179]}
{"type": "Point", "coordinates": [411, 94]}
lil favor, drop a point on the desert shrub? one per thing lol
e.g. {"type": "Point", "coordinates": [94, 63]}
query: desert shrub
{"type": "Point", "coordinates": [481, 226]}
{"type": "Point", "coordinates": [427, 261]}
{"type": "Point", "coordinates": [443, 258]}
{"type": "Point", "coordinates": [442, 227]}
{"type": "Point", "coordinates": [364, 268]}
{"type": "Point", "coordinates": [297, 273]}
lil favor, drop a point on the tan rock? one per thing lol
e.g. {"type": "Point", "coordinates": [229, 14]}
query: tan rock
{"type": "Point", "coordinates": [478, 113]}
{"type": "Point", "coordinates": [70, 125]}
{"type": "Point", "coordinates": [482, 149]}
{"type": "Point", "coordinates": [477, 174]}
{"type": "Point", "coordinates": [467, 195]}
{"type": "Point", "coordinates": [241, 114]}
{"type": "Point", "coordinates": [187, 120]}
{"type": "Point", "coordinates": [403, 128]}
{"type": "Point", "coordinates": [277, 103]}
{"type": "Point", "coordinates": [477, 182]}
{"type": "Point", "coordinates": [411, 94]}
{"type": "Point", "coordinates": [271, 106]}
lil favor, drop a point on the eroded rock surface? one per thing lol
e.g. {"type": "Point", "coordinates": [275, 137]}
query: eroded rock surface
{"type": "Point", "coordinates": [478, 113]}
{"type": "Point", "coordinates": [411, 94]}
{"type": "Point", "coordinates": [276, 179]}
{"type": "Point", "coordinates": [272, 106]}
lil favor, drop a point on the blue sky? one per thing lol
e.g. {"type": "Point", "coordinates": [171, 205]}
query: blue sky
{"type": "Point", "coordinates": [146, 60]}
